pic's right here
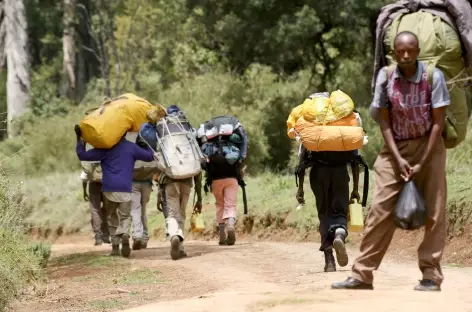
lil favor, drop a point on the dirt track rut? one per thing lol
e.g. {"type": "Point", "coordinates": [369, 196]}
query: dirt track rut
{"type": "Point", "coordinates": [253, 276]}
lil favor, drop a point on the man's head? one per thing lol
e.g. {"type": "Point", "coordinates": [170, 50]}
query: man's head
{"type": "Point", "coordinates": [406, 48]}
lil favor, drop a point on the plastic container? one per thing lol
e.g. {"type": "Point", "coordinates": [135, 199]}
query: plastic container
{"type": "Point", "coordinates": [356, 217]}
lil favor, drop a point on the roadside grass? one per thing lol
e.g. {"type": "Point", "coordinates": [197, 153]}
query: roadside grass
{"type": "Point", "coordinates": [56, 205]}
{"type": "Point", "coordinates": [21, 263]}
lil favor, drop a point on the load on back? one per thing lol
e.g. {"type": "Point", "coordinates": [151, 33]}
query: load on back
{"type": "Point", "coordinates": [103, 127]}
{"type": "Point", "coordinates": [444, 31]}
{"type": "Point", "coordinates": [106, 125]}
{"type": "Point", "coordinates": [326, 122]}
{"type": "Point", "coordinates": [223, 140]}
{"type": "Point", "coordinates": [174, 140]}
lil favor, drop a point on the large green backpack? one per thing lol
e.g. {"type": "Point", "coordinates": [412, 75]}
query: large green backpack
{"type": "Point", "coordinates": [440, 47]}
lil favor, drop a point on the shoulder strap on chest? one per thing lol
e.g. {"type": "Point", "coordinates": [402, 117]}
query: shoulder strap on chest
{"type": "Point", "coordinates": [429, 72]}
{"type": "Point", "coordinates": [390, 70]}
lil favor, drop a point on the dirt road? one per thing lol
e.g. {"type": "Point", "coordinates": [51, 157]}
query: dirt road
{"type": "Point", "coordinates": [250, 276]}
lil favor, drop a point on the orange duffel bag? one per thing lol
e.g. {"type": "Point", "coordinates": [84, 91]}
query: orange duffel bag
{"type": "Point", "coordinates": [339, 136]}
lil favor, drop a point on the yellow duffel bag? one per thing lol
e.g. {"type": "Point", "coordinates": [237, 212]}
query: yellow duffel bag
{"type": "Point", "coordinates": [330, 138]}
{"type": "Point", "coordinates": [292, 120]}
{"type": "Point", "coordinates": [106, 125]}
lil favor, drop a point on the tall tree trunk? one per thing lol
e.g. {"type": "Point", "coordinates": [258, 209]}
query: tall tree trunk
{"type": "Point", "coordinates": [68, 46]}
{"type": "Point", "coordinates": [18, 61]}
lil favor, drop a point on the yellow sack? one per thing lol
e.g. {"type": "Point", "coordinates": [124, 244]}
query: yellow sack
{"type": "Point", "coordinates": [333, 138]}
{"type": "Point", "coordinates": [321, 110]}
{"type": "Point", "coordinates": [317, 110]}
{"type": "Point", "coordinates": [341, 105]}
{"type": "Point", "coordinates": [196, 222]}
{"type": "Point", "coordinates": [292, 120]}
{"type": "Point", "coordinates": [106, 125]}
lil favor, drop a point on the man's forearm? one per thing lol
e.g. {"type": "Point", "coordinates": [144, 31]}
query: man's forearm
{"type": "Point", "coordinates": [198, 186]}
{"type": "Point", "coordinates": [435, 133]}
{"type": "Point", "coordinates": [388, 138]}
{"type": "Point", "coordinates": [355, 176]}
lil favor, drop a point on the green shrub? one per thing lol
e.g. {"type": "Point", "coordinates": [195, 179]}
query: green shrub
{"type": "Point", "coordinates": [18, 265]}
{"type": "Point", "coordinates": [42, 251]}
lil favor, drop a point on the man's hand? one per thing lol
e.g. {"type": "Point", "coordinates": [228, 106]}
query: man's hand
{"type": "Point", "coordinates": [355, 195]}
{"type": "Point", "coordinates": [405, 169]}
{"type": "Point", "coordinates": [198, 206]}
{"type": "Point", "coordinates": [159, 202]}
{"type": "Point", "coordinates": [78, 132]}
{"type": "Point", "coordinates": [414, 171]}
{"type": "Point", "coordinates": [300, 196]}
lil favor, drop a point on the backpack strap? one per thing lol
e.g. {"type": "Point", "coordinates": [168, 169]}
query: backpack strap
{"type": "Point", "coordinates": [390, 70]}
{"type": "Point", "coordinates": [429, 72]}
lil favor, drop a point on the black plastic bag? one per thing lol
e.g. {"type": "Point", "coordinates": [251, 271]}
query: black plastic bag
{"type": "Point", "coordinates": [410, 210]}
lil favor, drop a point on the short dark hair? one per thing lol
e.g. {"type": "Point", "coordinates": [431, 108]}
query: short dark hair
{"type": "Point", "coordinates": [409, 33]}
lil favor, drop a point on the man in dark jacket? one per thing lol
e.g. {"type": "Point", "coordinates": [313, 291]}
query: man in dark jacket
{"type": "Point", "coordinates": [117, 183]}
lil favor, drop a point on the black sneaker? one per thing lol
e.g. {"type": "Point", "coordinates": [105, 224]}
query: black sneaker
{"type": "Point", "coordinates": [137, 244]}
{"type": "Point", "coordinates": [340, 248]}
{"type": "Point", "coordinates": [352, 283]}
{"type": "Point", "coordinates": [175, 247]}
{"type": "Point", "coordinates": [106, 239]}
{"type": "Point", "coordinates": [330, 263]}
{"type": "Point", "coordinates": [115, 250]}
{"type": "Point", "coordinates": [98, 240]}
{"type": "Point", "coordinates": [427, 285]}
{"type": "Point", "coordinates": [125, 249]}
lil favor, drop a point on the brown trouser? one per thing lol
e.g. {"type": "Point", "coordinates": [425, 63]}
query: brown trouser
{"type": "Point", "coordinates": [98, 220]}
{"type": "Point", "coordinates": [119, 219]}
{"type": "Point", "coordinates": [431, 181]}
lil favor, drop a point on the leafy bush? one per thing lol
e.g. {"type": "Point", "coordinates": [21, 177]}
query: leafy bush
{"type": "Point", "coordinates": [18, 265]}
{"type": "Point", "coordinates": [42, 251]}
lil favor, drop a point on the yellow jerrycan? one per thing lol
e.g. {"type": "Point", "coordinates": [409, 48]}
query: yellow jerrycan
{"type": "Point", "coordinates": [356, 217]}
{"type": "Point", "coordinates": [196, 222]}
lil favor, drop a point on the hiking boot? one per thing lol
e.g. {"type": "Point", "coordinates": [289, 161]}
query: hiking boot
{"type": "Point", "coordinates": [115, 250]}
{"type": "Point", "coordinates": [330, 263]}
{"type": "Point", "coordinates": [175, 247]}
{"type": "Point", "coordinates": [340, 247]}
{"type": "Point", "coordinates": [222, 241]}
{"type": "Point", "coordinates": [231, 232]}
{"type": "Point", "coordinates": [137, 244]}
{"type": "Point", "coordinates": [428, 285]}
{"type": "Point", "coordinates": [352, 283]}
{"type": "Point", "coordinates": [106, 239]}
{"type": "Point", "coordinates": [143, 244]}
{"type": "Point", "coordinates": [98, 240]}
{"type": "Point", "coordinates": [125, 249]}
{"type": "Point", "coordinates": [183, 254]}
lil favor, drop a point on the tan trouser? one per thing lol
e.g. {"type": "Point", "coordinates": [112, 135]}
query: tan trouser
{"type": "Point", "coordinates": [431, 181]}
{"type": "Point", "coordinates": [119, 219]}
{"type": "Point", "coordinates": [139, 199]}
{"type": "Point", "coordinates": [176, 195]}
{"type": "Point", "coordinates": [99, 220]}
{"type": "Point", "coordinates": [226, 195]}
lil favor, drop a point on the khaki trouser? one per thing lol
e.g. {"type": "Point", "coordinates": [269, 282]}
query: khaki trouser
{"type": "Point", "coordinates": [176, 196]}
{"type": "Point", "coordinates": [119, 219]}
{"type": "Point", "coordinates": [431, 181]}
{"type": "Point", "coordinates": [139, 200]}
{"type": "Point", "coordinates": [98, 220]}
{"type": "Point", "coordinates": [226, 195]}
